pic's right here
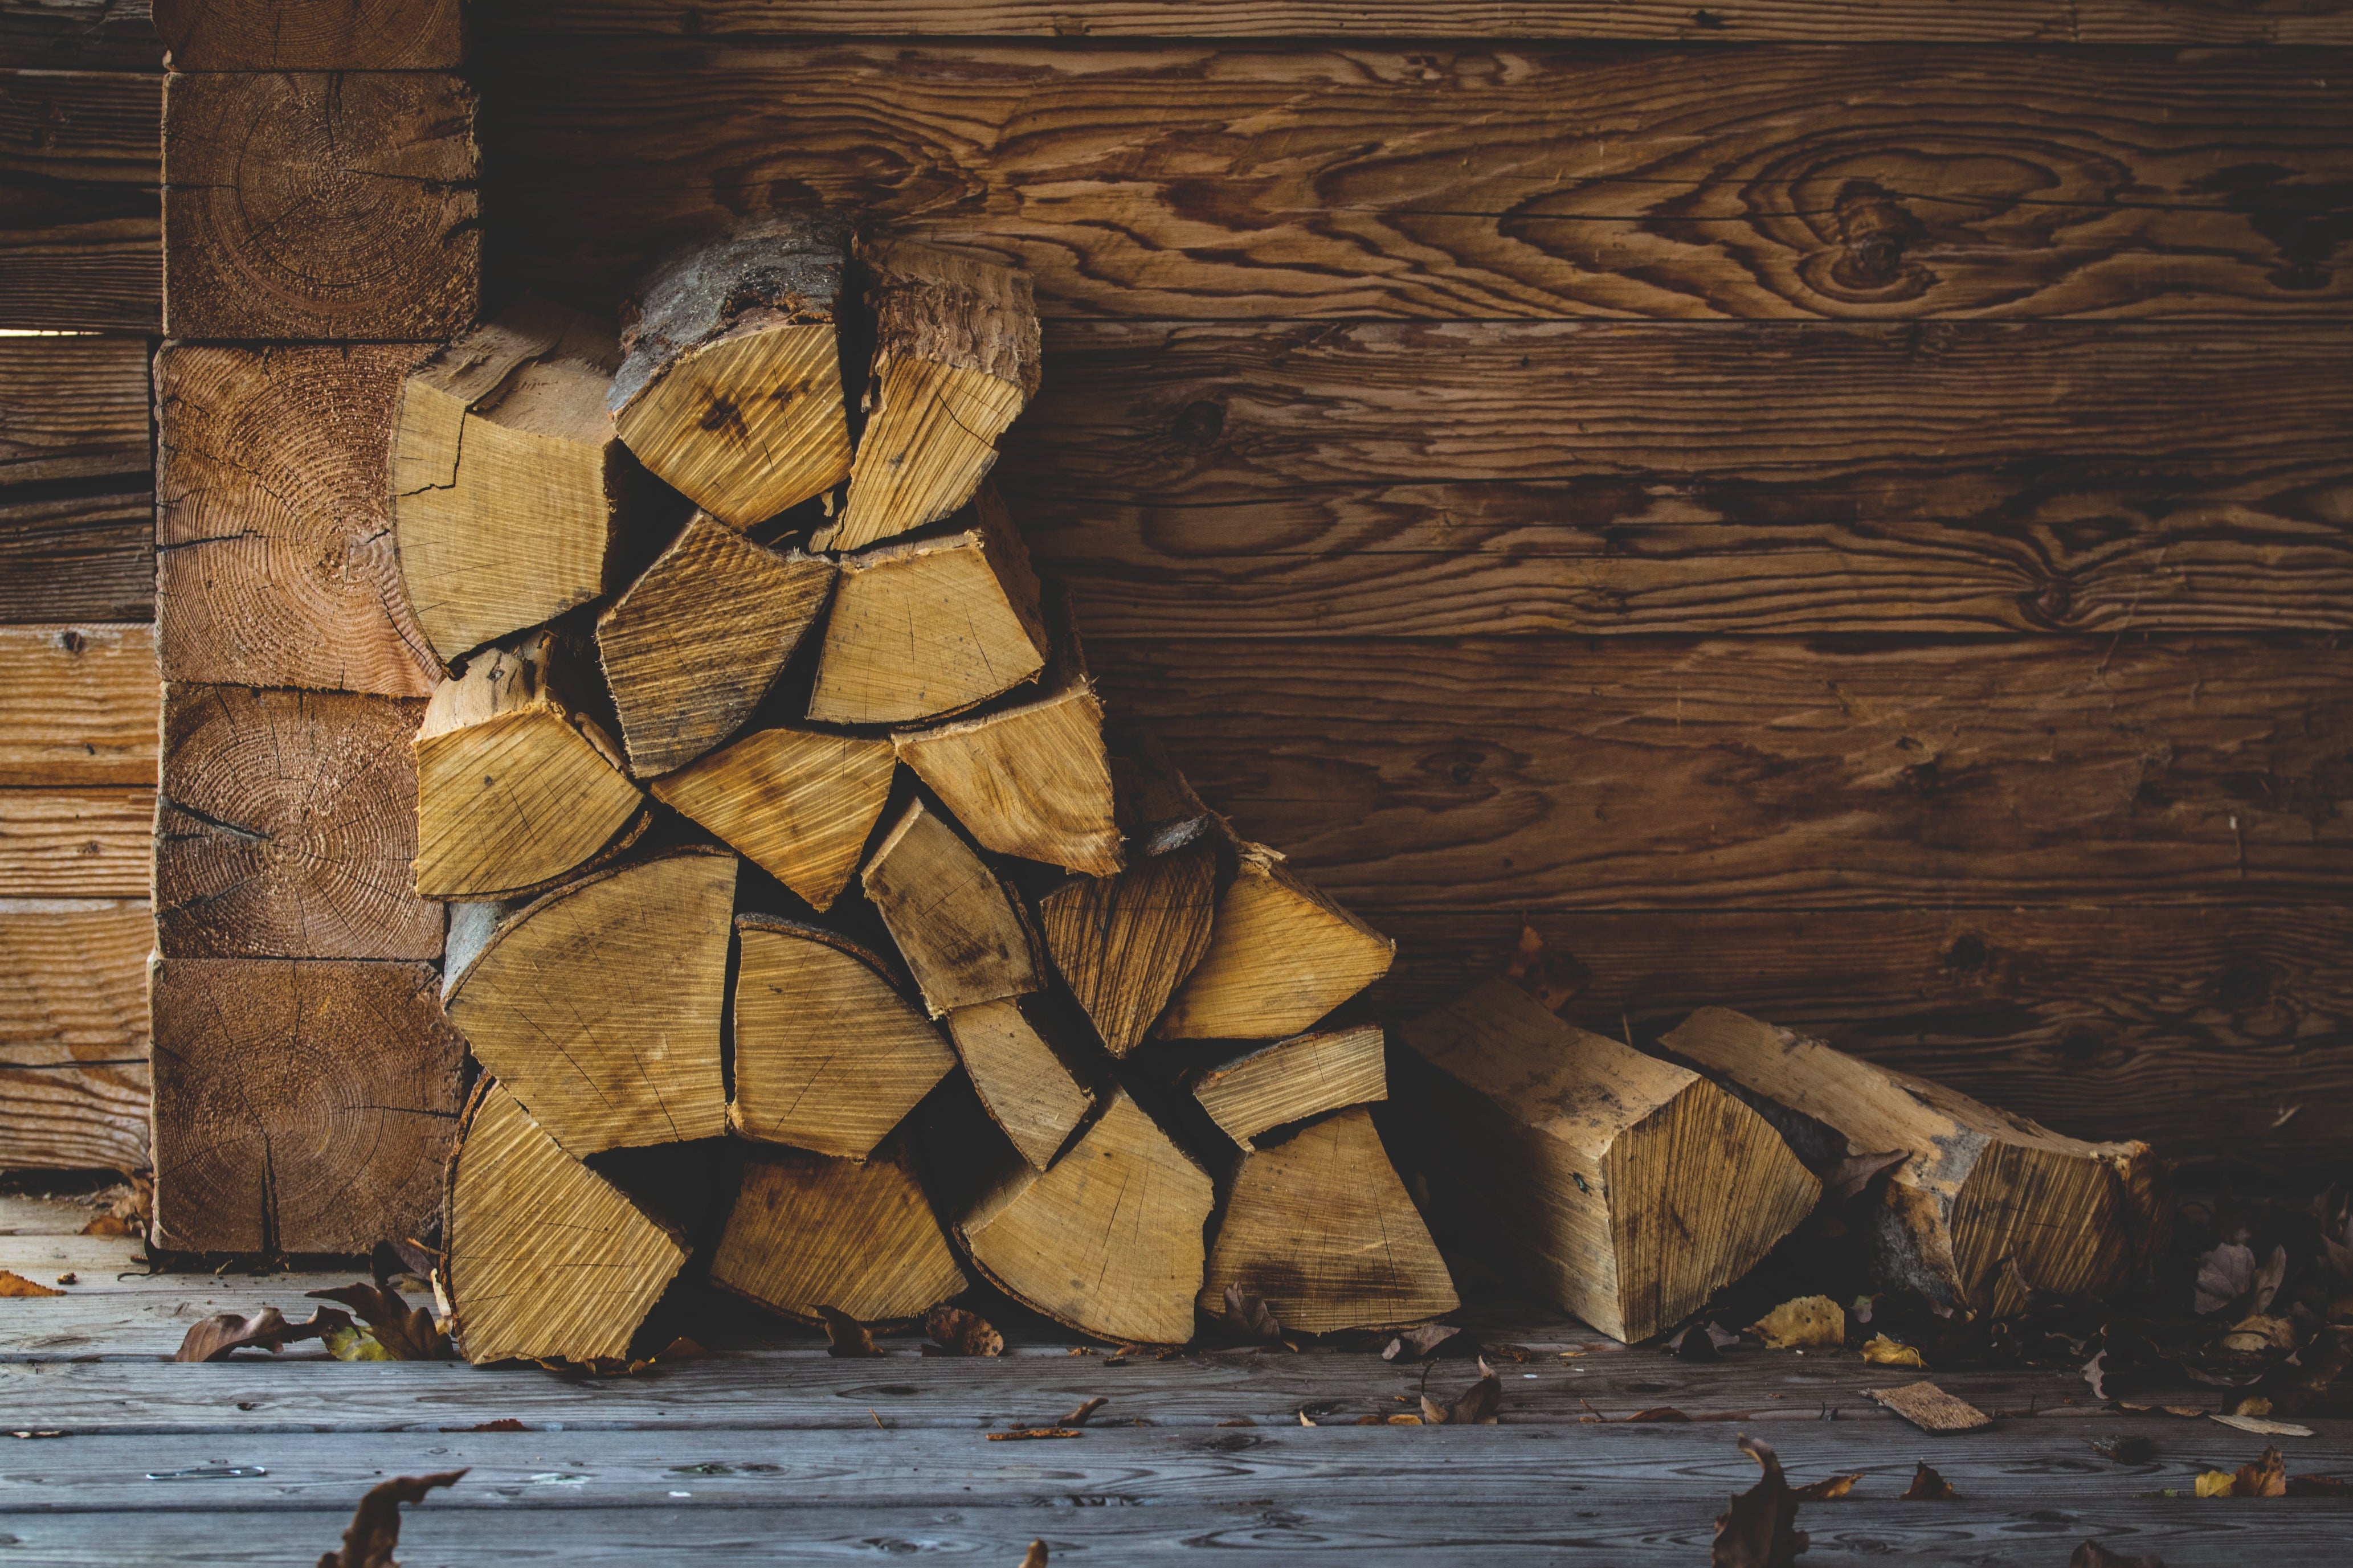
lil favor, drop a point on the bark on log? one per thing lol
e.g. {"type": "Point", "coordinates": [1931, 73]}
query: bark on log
{"type": "Point", "coordinates": [964, 931]}
{"type": "Point", "coordinates": [809, 1231]}
{"type": "Point", "coordinates": [1281, 954]}
{"type": "Point", "coordinates": [1124, 944]}
{"type": "Point", "coordinates": [1293, 1079]}
{"type": "Point", "coordinates": [798, 803]}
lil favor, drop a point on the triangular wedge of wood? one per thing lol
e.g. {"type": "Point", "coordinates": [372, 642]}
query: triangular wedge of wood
{"type": "Point", "coordinates": [1293, 1079]}
{"type": "Point", "coordinates": [800, 804]}
{"type": "Point", "coordinates": [811, 1231]}
{"type": "Point", "coordinates": [1282, 955]}
{"type": "Point", "coordinates": [1124, 944]}
{"type": "Point", "coordinates": [965, 930]}
{"type": "Point", "coordinates": [1029, 1087]}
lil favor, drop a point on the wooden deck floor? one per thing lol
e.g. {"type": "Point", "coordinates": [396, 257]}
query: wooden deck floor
{"type": "Point", "coordinates": [775, 1452]}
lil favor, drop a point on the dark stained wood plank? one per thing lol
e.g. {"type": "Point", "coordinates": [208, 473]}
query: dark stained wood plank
{"type": "Point", "coordinates": [1671, 774]}
{"type": "Point", "coordinates": [78, 408]}
{"type": "Point", "coordinates": [2200, 1029]}
{"type": "Point", "coordinates": [1744, 21]}
{"type": "Point", "coordinates": [69, 842]}
{"type": "Point", "coordinates": [1463, 182]}
{"type": "Point", "coordinates": [76, 515]}
{"type": "Point", "coordinates": [79, 34]}
{"type": "Point", "coordinates": [78, 705]}
{"type": "Point", "coordinates": [77, 551]}
{"type": "Point", "coordinates": [315, 35]}
{"type": "Point", "coordinates": [73, 1033]}
{"type": "Point", "coordinates": [80, 155]}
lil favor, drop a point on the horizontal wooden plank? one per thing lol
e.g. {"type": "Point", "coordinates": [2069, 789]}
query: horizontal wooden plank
{"type": "Point", "coordinates": [73, 1033]}
{"type": "Point", "coordinates": [76, 512]}
{"type": "Point", "coordinates": [79, 34]}
{"type": "Point", "coordinates": [76, 843]}
{"type": "Point", "coordinates": [1747, 21]}
{"type": "Point", "coordinates": [1461, 182]}
{"type": "Point", "coordinates": [2207, 1031]}
{"type": "Point", "coordinates": [1505, 774]}
{"type": "Point", "coordinates": [80, 212]}
{"type": "Point", "coordinates": [78, 705]}
{"type": "Point", "coordinates": [78, 408]}
{"type": "Point", "coordinates": [77, 551]}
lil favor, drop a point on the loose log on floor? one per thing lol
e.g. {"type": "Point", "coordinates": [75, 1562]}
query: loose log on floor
{"type": "Point", "coordinates": [956, 361]}
{"type": "Point", "coordinates": [1281, 954]}
{"type": "Point", "coordinates": [511, 499]}
{"type": "Point", "coordinates": [1293, 1079]}
{"type": "Point", "coordinates": [964, 931]}
{"type": "Point", "coordinates": [1988, 1206]}
{"type": "Point", "coordinates": [300, 1106]}
{"type": "Point", "coordinates": [1029, 1087]}
{"type": "Point", "coordinates": [1031, 780]}
{"type": "Point", "coordinates": [546, 1259]}
{"type": "Point", "coordinates": [286, 827]}
{"type": "Point", "coordinates": [1625, 1188]}
{"type": "Point", "coordinates": [690, 647]}
{"type": "Point", "coordinates": [516, 784]}
{"type": "Point", "coordinates": [860, 1236]}
{"type": "Point", "coordinates": [1318, 1227]}
{"type": "Point", "coordinates": [830, 1055]}
{"type": "Point", "coordinates": [731, 390]}
{"type": "Point", "coordinates": [1108, 1240]}
{"type": "Point", "coordinates": [599, 1005]}
{"type": "Point", "coordinates": [798, 803]}
{"type": "Point", "coordinates": [932, 627]}
{"type": "Point", "coordinates": [1124, 944]}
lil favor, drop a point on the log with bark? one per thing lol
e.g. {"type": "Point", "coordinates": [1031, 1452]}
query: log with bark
{"type": "Point", "coordinates": [1625, 1188]}
{"type": "Point", "coordinates": [1984, 1207]}
{"type": "Point", "coordinates": [813, 1231]}
{"type": "Point", "coordinates": [800, 804]}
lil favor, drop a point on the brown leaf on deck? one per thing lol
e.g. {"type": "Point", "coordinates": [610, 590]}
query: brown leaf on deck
{"type": "Point", "coordinates": [1249, 1318]}
{"type": "Point", "coordinates": [1759, 1529]}
{"type": "Point", "coordinates": [1476, 1407]}
{"type": "Point", "coordinates": [1702, 1342]}
{"type": "Point", "coordinates": [267, 1330]}
{"type": "Point", "coordinates": [503, 1424]}
{"type": "Point", "coordinates": [2229, 1276]}
{"type": "Point", "coordinates": [1828, 1490]}
{"type": "Point", "coordinates": [392, 1262]}
{"type": "Point", "coordinates": [1659, 1413]}
{"type": "Point", "coordinates": [1417, 1343]}
{"type": "Point", "coordinates": [959, 1332]}
{"type": "Point", "coordinates": [1881, 1350]}
{"type": "Point", "coordinates": [14, 1284]}
{"type": "Point", "coordinates": [1805, 1323]}
{"type": "Point", "coordinates": [2092, 1554]}
{"type": "Point", "coordinates": [374, 1528]}
{"type": "Point", "coordinates": [1932, 1409]}
{"type": "Point", "coordinates": [845, 1335]}
{"type": "Point", "coordinates": [1927, 1486]}
{"type": "Point", "coordinates": [1079, 1417]}
{"type": "Point", "coordinates": [1035, 1556]}
{"type": "Point", "coordinates": [407, 1332]}
{"type": "Point", "coordinates": [1848, 1176]}
{"type": "Point", "coordinates": [1027, 1433]}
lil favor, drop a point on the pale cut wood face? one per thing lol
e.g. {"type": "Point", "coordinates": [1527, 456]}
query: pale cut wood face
{"type": "Point", "coordinates": [1124, 944]}
{"type": "Point", "coordinates": [964, 933]}
{"type": "Point", "coordinates": [1293, 1079]}
{"type": "Point", "coordinates": [798, 803]}
{"type": "Point", "coordinates": [926, 629]}
{"type": "Point", "coordinates": [860, 1236]}
{"type": "Point", "coordinates": [1281, 956]}
{"type": "Point", "coordinates": [1031, 781]}
{"type": "Point", "coordinates": [748, 424]}
{"type": "Point", "coordinates": [1024, 1082]}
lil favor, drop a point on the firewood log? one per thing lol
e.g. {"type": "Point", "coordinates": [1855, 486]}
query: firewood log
{"type": "Point", "coordinates": [690, 647]}
{"type": "Point", "coordinates": [1318, 1227]}
{"type": "Point", "coordinates": [860, 1236]}
{"type": "Point", "coordinates": [515, 783]}
{"type": "Point", "coordinates": [963, 932]}
{"type": "Point", "coordinates": [931, 626]}
{"type": "Point", "coordinates": [1124, 944]}
{"type": "Point", "coordinates": [731, 387]}
{"type": "Point", "coordinates": [1108, 1239]}
{"type": "Point", "coordinates": [599, 1005]}
{"type": "Point", "coordinates": [512, 500]}
{"type": "Point", "coordinates": [830, 1055]}
{"type": "Point", "coordinates": [956, 361]}
{"type": "Point", "coordinates": [1282, 955]}
{"type": "Point", "coordinates": [1156, 808]}
{"type": "Point", "coordinates": [798, 803]}
{"type": "Point", "coordinates": [1625, 1188]}
{"type": "Point", "coordinates": [1986, 1207]}
{"type": "Point", "coordinates": [1293, 1079]}
{"type": "Point", "coordinates": [1029, 1088]}
{"type": "Point", "coordinates": [546, 1259]}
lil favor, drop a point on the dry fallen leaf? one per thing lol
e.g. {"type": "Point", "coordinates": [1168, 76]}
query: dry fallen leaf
{"type": "Point", "coordinates": [1659, 1413]}
{"type": "Point", "coordinates": [1804, 1323]}
{"type": "Point", "coordinates": [1079, 1417]}
{"type": "Point", "coordinates": [1828, 1490]}
{"type": "Point", "coordinates": [1552, 979]}
{"type": "Point", "coordinates": [14, 1284]}
{"type": "Point", "coordinates": [1759, 1529]}
{"type": "Point", "coordinates": [1250, 1319]}
{"type": "Point", "coordinates": [1416, 1343]}
{"type": "Point", "coordinates": [2259, 1333]}
{"type": "Point", "coordinates": [1027, 1433]}
{"type": "Point", "coordinates": [374, 1528]}
{"type": "Point", "coordinates": [2125, 1450]}
{"type": "Point", "coordinates": [1035, 1556]}
{"type": "Point", "coordinates": [2265, 1476]}
{"type": "Point", "coordinates": [2263, 1427]}
{"type": "Point", "coordinates": [2092, 1554]}
{"type": "Point", "coordinates": [2229, 1276]}
{"type": "Point", "coordinates": [1475, 1407]}
{"type": "Point", "coordinates": [1927, 1486]}
{"type": "Point", "coordinates": [959, 1332]}
{"type": "Point", "coordinates": [1881, 1350]}
{"type": "Point", "coordinates": [1702, 1342]}
{"type": "Point", "coordinates": [845, 1335]}
{"type": "Point", "coordinates": [267, 1330]}
{"type": "Point", "coordinates": [406, 1333]}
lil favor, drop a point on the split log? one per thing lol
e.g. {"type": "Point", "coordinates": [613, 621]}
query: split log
{"type": "Point", "coordinates": [1029, 1087]}
{"type": "Point", "coordinates": [546, 1259]}
{"type": "Point", "coordinates": [956, 361]}
{"type": "Point", "coordinates": [1987, 1207]}
{"type": "Point", "coordinates": [963, 930]}
{"type": "Point", "coordinates": [932, 627]}
{"type": "Point", "coordinates": [515, 784]}
{"type": "Point", "coordinates": [860, 1236]}
{"type": "Point", "coordinates": [1124, 944]}
{"type": "Point", "coordinates": [731, 390]}
{"type": "Point", "coordinates": [1319, 1228]}
{"type": "Point", "coordinates": [1625, 1188]}
{"type": "Point", "coordinates": [286, 826]}
{"type": "Point", "coordinates": [511, 499]}
{"type": "Point", "coordinates": [1108, 1239]}
{"type": "Point", "coordinates": [300, 1106]}
{"type": "Point", "coordinates": [1293, 1079]}
{"type": "Point", "coordinates": [798, 803]}
{"type": "Point", "coordinates": [1282, 955]}
{"type": "Point", "coordinates": [690, 647]}
{"type": "Point", "coordinates": [1156, 808]}
{"type": "Point", "coordinates": [830, 1055]}
{"type": "Point", "coordinates": [599, 1005]}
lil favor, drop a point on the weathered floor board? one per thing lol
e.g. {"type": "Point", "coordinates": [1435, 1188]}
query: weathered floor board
{"type": "Point", "coordinates": [80, 215]}
{"type": "Point", "coordinates": [76, 843]}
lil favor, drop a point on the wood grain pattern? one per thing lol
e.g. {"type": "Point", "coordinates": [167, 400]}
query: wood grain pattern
{"type": "Point", "coordinates": [340, 35]}
{"type": "Point", "coordinates": [79, 212]}
{"type": "Point", "coordinates": [78, 705]}
{"type": "Point", "coordinates": [79, 34]}
{"type": "Point", "coordinates": [77, 409]}
{"type": "Point", "coordinates": [1632, 773]}
{"type": "Point", "coordinates": [76, 843]}
{"type": "Point", "coordinates": [73, 1033]}
{"type": "Point", "coordinates": [78, 552]}
{"type": "Point", "coordinates": [1463, 182]}
{"type": "Point", "coordinates": [1743, 21]}
{"type": "Point", "coordinates": [76, 517]}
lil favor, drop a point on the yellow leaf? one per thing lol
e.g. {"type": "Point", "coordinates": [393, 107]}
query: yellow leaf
{"type": "Point", "coordinates": [14, 1284]}
{"type": "Point", "coordinates": [2214, 1483]}
{"type": "Point", "coordinates": [1806, 1322]}
{"type": "Point", "coordinates": [1881, 1350]}
{"type": "Point", "coordinates": [355, 1343]}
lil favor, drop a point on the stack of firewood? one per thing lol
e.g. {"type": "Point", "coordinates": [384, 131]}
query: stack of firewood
{"type": "Point", "coordinates": [773, 802]}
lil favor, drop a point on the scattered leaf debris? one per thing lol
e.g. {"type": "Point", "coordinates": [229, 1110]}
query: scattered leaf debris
{"type": "Point", "coordinates": [956, 1331]}
{"type": "Point", "coordinates": [14, 1284]}
{"type": "Point", "coordinates": [1079, 1416]}
{"type": "Point", "coordinates": [1806, 1323]}
{"type": "Point", "coordinates": [374, 1528]}
{"type": "Point", "coordinates": [1027, 1433]}
{"type": "Point", "coordinates": [1927, 1486]}
{"type": "Point", "coordinates": [2263, 1427]}
{"type": "Point", "coordinates": [1759, 1529]}
{"type": "Point", "coordinates": [267, 1330]}
{"type": "Point", "coordinates": [1828, 1490]}
{"type": "Point", "coordinates": [1248, 1318]}
{"type": "Point", "coordinates": [1476, 1407]}
{"type": "Point", "coordinates": [845, 1335]}
{"type": "Point", "coordinates": [1881, 1350]}
{"type": "Point", "coordinates": [1415, 1345]}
